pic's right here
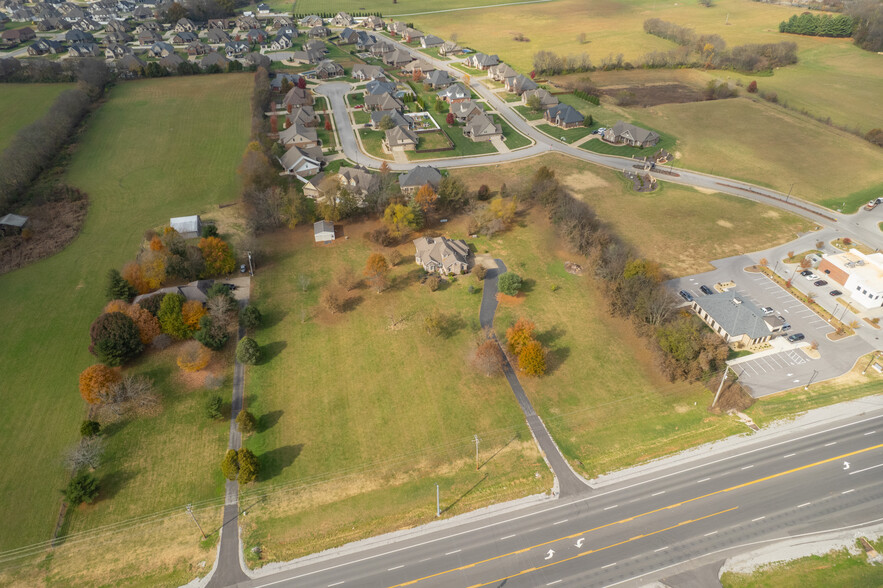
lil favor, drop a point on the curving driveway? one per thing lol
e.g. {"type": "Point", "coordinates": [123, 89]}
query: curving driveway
{"type": "Point", "coordinates": [862, 226]}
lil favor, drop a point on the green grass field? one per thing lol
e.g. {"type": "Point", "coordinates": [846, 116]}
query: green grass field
{"type": "Point", "coordinates": [666, 142]}
{"type": "Point", "coordinates": [527, 113]}
{"type": "Point", "coordinates": [836, 568]}
{"type": "Point", "coordinates": [22, 104]}
{"type": "Point", "coordinates": [402, 7]}
{"type": "Point", "coordinates": [372, 141]}
{"type": "Point", "coordinates": [377, 414]}
{"type": "Point", "coordinates": [514, 139]}
{"type": "Point", "coordinates": [565, 135]}
{"type": "Point", "coordinates": [462, 145]}
{"type": "Point", "coordinates": [143, 159]}
{"type": "Point", "coordinates": [777, 148]}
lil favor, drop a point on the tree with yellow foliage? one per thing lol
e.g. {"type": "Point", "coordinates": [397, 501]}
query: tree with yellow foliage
{"type": "Point", "coordinates": [192, 311]}
{"type": "Point", "coordinates": [520, 334]}
{"type": "Point", "coordinates": [95, 381]}
{"type": "Point", "coordinates": [194, 356]}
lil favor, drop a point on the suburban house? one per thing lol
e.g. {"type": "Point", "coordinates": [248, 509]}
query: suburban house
{"type": "Point", "coordinates": [283, 21]}
{"type": "Point", "coordinates": [628, 134]}
{"type": "Point", "coordinates": [297, 97]}
{"type": "Point", "coordinates": [188, 226]}
{"type": "Point", "coordinates": [358, 181]}
{"type": "Point", "coordinates": [380, 49]}
{"type": "Point", "coordinates": [547, 100]}
{"type": "Point", "coordinates": [375, 23]}
{"type": "Point", "coordinates": [481, 127]}
{"type": "Point", "coordinates": [438, 79]}
{"type": "Point", "coordinates": [44, 46]}
{"type": "Point", "coordinates": [184, 37]}
{"type": "Point", "coordinates": [304, 115]}
{"type": "Point", "coordinates": [12, 224]}
{"type": "Point", "coordinates": [276, 81]}
{"type": "Point", "coordinates": [735, 319]}
{"type": "Point", "coordinates": [861, 275]}
{"type": "Point", "coordinates": [326, 69]}
{"type": "Point", "coordinates": [418, 66]}
{"type": "Point", "coordinates": [213, 59]}
{"type": "Point", "coordinates": [185, 25]}
{"type": "Point", "coordinates": [395, 116]}
{"type": "Point", "coordinates": [197, 290]}
{"type": "Point", "coordinates": [430, 41]}
{"type": "Point", "coordinates": [449, 48]}
{"type": "Point", "coordinates": [385, 101]}
{"type": "Point", "coordinates": [236, 48]}
{"type": "Point", "coordinates": [376, 87]}
{"type": "Point", "coordinates": [401, 139]}
{"type": "Point", "coordinates": [319, 32]}
{"type": "Point", "coordinates": [302, 162]}
{"type": "Point", "coordinates": [84, 50]}
{"type": "Point", "coordinates": [365, 41]}
{"type": "Point", "coordinates": [411, 35]}
{"type": "Point", "coordinates": [220, 23]}
{"type": "Point", "coordinates": [298, 135]}
{"type": "Point", "coordinates": [74, 36]}
{"type": "Point", "coordinates": [316, 45]}
{"type": "Point", "coordinates": [454, 93]}
{"type": "Point", "coordinates": [397, 27]}
{"type": "Point", "coordinates": [520, 84]}
{"type": "Point", "coordinates": [257, 59]}
{"type": "Point", "coordinates": [564, 116]}
{"type": "Point", "coordinates": [308, 56]}
{"type": "Point", "coordinates": [416, 178]}
{"type": "Point", "coordinates": [501, 71]}
{"type": "Point", "coordinates": [323, 231]}
{"type": "Point", "coordinates": [397, 58]}
{"type": "Point", "coordinates": [254, 36]}
{"type": "Point", "coordinates": [342, 19]}
{"type": "Point", "coordinates": [310, 21]}
{"type": "Point", "coordinates": [482, 61]}
{"type": "Point", "coordinates": [171, 62]}
{"type": "Point", "coordinates": [348, 37]}
{"type": "Point", "coordinates": [198, 48]}
{"type": "Point", "coordinates": [368, 72]}
{"type": "Point", "coordinates": [280, 42]}
{"type": "Point", "coordinates": [442, 255]}
{"type": "Point", "coordinates": [264, 8]}
{"type": "Point", "coordinates": [246, 22]}
{"type": "Point", "coordinates": [466, 110]}
{"type": "Point", "coordinates": [144, 37]}
{"type": "Point", "coordinates": [129, 63]}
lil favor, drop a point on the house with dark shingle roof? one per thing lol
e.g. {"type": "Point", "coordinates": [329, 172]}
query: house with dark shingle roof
{"type": "Point", "coordinates": [438, 79]}
{"type": "Point", "coordinates": [629, 134]}
{"type": "Point", "coordinates": [375, 23]}
{"type": "Point", "coordinates": [464, 111]}
{"type": "Point", "coordinates": [481, 128]}
{"type": "Point", "coordinates": [416, 178]}
{"type": "Point", "coordinates": [385, 101]}
{"type": "Point", "coordinates": [564, 116]}
{"type": "Point", "coordinates": [377, 87]}
{"type": "Point", "coordinates": [735, 319]}
{"type": "Point", "coordinates": [442, 255]}
{"type": "Point", "coordinates": [400, 138]}
{"type": "Point", "coordinates": [368, 72]}
{"type": "Point", "coordinates": [482, 61]}
{"type": "Point", "coordinates": [298, 97]}
{"type": "Point", "coordinates": [454, 93]}
{"type": "Point", "coordinates": [213, 59]}
{"type": "Point", "coordinates": [547, 100]}
{"type": "Point", "coordinates": [395, 116]}
{"type": "Point", "coordinates": [431, 41]}
{"type": "Point", "coordinates": [520, 84]}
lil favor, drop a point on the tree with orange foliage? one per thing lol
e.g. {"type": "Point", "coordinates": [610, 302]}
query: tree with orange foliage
{"type": "Point", "coordinates": [156, 244]}
{"type": "Point", "coordinates": [426, 198]}
{"type": "Point", "coordinates": [376, 269]}
{"type": "Point", "coordinates": [95, 382]}
{"type": "Point", "coordinates": [532, 359]}
{"type": "Point", "coordinates": [148, 325]}
{"type": "Point", "coordinates": [192, 311]}
{"type": "Point", "coordinates": [133, 274]}
{"type": "Point", "coordinates": [117, 306]}
{"type": "Point", "coordinates": [153, 269]}
{"type": "Point", "coordinates": [217, 255]}
{"type": "Point", "coordinates": [194, 356]}
{"type": "Point", "coordinates": [519, 335]}
{"type": "Point", "coordinates": [417, 75]}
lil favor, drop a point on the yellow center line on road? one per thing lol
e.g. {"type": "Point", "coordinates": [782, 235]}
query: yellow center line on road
{"type": "Point", "coordinates": [632, 518]}
{"type": "Point", "coordinates": [561, 561]}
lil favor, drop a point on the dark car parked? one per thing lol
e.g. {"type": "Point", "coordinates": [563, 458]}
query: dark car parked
{"type": "Point", "coordinates": [706, 289]}
{"type": "Point", "coordinates": [820, 283]}
{"type": "Point", "coordinates": [835, 292]}
{"type": "Point", "coordinates": [796, 337]}
{"type": "Point", "coordinates": [686, 295]}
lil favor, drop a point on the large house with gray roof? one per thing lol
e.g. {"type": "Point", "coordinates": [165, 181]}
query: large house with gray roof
{"type": "Point", "coordinates": [737, 320]}
{"type": "Point", "coordinates": [628, 134]}
{"type": "Point", "coordinates": [442, 255]}
{"type": "Point", "coordinates": [564, 116]}
{"type": "Point", "coordinates": [416, 178]}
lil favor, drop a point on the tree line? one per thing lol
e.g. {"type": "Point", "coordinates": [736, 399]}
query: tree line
{"type": "Point", "coordinates": [818, 25]}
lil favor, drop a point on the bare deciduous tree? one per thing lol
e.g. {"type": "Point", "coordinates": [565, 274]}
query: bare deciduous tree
{"type": "Point", "coordinates": [84, 455]}
{"type": "Point", "coordinates": [304, 281]}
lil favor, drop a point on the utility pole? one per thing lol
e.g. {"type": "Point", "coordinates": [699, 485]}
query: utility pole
{"type": "Point", "coordinates": [476, 450]}
{"type": "Point", "coordinates": [437, 503]}
{"type": "Point", "coordinates": [873, 357]}
{"type": "Point", "coordinates": [190, 512]}
{"type": "Point", "coordinates": [814, 373]}
{"type": "Point", "coordinates": [719, 388]}
{"type": "Point", "coordinates": [789, 192]}
{"type": "Point", "coordinates": [250, 264]}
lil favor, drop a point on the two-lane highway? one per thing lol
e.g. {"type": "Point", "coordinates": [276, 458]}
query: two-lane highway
{"type": "Point", "coordinates": [636, 530]}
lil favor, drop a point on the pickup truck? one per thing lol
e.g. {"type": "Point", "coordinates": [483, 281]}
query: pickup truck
{"type": "Point", "coordinates": [873, 203]}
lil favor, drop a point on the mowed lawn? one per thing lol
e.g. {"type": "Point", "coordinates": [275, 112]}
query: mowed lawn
{"type": "Point", "coordinates": [364, 417]}
{"type": "Point", "coordinates": [709, 226]}
{"type": "Point", "coordinates": [402, 7]}
{"type": "Point", "coordinates": [156, 149]}
{"type": "Point", "coordinates": [22, 104]}
{"type": "Point", "coordinates": [758, 142]}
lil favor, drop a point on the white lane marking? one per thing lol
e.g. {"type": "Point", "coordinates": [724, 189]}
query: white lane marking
{"type": "Point", "coordinates": [702, 480]}
{"type": "Point", "coordinates": [848, 491]}
{"type": "Point", "coordinates": [335, 584]}
{"type": "Point", "coordinates": [657, 494]}
{"type": "Point", "coordinates": [506, 537]}
{"type": "Point", "coordinates": [804, 504]}
{"type": "Point", "coordinates": [608, 565]}
{"type": "Point", "coordinates": [423, 560]}
{"type": "Point", "coordinates": [453, 552]}
{"type": "Point", "coordinates": [609, 507]}
{"type": "Point", "coordinates": [748, 467]}
{"type": "Point", "coordinates": [869, 433]}
{"type": "Point", "coordinates": [553, 583]}
{"type": "Point", "coordinates": [879, 465]}
{"type": "Point", "coordinates": [559, 522]}
{"type": "Point", "coordinates": [830, 444]}
{"type": "Point", "coordinates": [710, 534]}
{"type": "Point", "coordinates": [789, 455]}
{"type": "Point", "coordinates": [593, 497]}
{"type": "Point", "coordinates": [757, 519]}
{"type": "Point", "coordinates": [395, 568]}
{"type": "Point", "coordinates": [660, 549]}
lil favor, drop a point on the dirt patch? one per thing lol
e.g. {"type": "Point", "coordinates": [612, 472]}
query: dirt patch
{"type": "Point", "coordinates": [654, 94]}
{"type": "Point", "coordinates": [506, 300]}
{"type": "Point", "coordinates": [584, 180]}
{"type": "Point", "coordinates": [725, 224]}
{"type": "Point", "coordinates": [705, 190]}
{"type": "Point", "coordinates": [50, 228]}
{"type": "Point", "coordinates": [771, 214]}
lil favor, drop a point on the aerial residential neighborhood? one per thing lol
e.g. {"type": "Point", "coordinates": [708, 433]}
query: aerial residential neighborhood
{"type": "Point", "coordinates": [547, 293]}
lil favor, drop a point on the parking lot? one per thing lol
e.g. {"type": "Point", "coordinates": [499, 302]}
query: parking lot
{"type": "Point", "coordinates": [772, 363]}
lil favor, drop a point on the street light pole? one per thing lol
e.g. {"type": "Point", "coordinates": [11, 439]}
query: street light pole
{"type": "Point", "coordinates": [476, 450]}
{"type": "Point", "coordinates": [873, 357]}
{"type": "Point", "coordinates": [814, 372]}
{"type": "Point", "coordinates": [719, 388]}
{"type": "Point", "coordinates": [789, 192]}
{"type": "Point", "coordinates": [437, 503]}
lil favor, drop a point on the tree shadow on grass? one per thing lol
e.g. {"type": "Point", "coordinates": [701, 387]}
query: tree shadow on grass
{"type": "Point", "coordinates": [272, 318]}
{"type": "Point", "coordinates": [276, 460]}
{"type": "Point", "coordinates": [271, 350]}
{"type": "Point", "coordinates": [528, 285]}
{"type": "Point", "coordinates": [557, 354]}
{"type": "Point", "coordinates": [111, 483]}
{"type": "Point", "coordinates": [268, 420]}
{"type": "Point", "coordinates": [352, 303]}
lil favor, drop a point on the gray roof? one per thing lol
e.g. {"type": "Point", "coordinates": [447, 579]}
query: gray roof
{"type": "Point", "coordinates": [736, 318]}
{"type": "Point", "coordinates": [13, 220]}
{"type": "Point", "coordinates": [401, 136]}
{"type": "Point", "coordinates": [438, 77]}
{"type": "Point", "coordinates": [323, 226]}
{"type": "Point", "coordinates": [375, 87]}
{"type": "Point", "coordinates": [430, 40]}
{"type": "Point", "coordinates": [397, 118]}
{"type": "Point", "coordinates": [442, 252]}
{"type": "Point", "coordinates": [420, 176]}
{"type": "Point", "coordinates": [482, 125]}
{"type": "Point", "coordinates": [637, 133]}
{"type": "Point", "coordinates": [454, 91]}
{"type": "Point", "coordinates": [566, 113]}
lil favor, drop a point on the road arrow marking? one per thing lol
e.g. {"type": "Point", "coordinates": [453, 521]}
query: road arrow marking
{"type": "Point", "coordinates": [845, 465]}
{"type": "Point", "coordinates": [551, 553]}
{"type": "Point", "coordinates": [579, 542]}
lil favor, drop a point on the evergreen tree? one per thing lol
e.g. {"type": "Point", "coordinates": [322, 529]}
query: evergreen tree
{"type": "Point", "coordinates": [118, 288]}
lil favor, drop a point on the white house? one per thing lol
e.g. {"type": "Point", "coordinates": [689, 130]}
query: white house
{"type": "Point", "coordinates": [187, 225]}
{"type": "Point", "coordinates": [323, 231]}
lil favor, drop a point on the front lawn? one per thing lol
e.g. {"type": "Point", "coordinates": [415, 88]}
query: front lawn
{"type": "Point", "coordinates": [372, 141]}
{"type": "Point", "coordinates": [432, 141]}
{"type": "Point", "coordinates": [514, 139]}
{"type": "Point", "coordinates": [327, 138]}
{"type": "Point", "coordinates": [433, 52]}
{"type": "Point", "coordinates": [360, 117]}
{"type": "Point", "coordinates": [527, 113]}
{"type": "Point", "coordinates": [355, 99]}
{"type": "Point", "coordinates": [666, 142]}
{"type": "Point", "coordinates": [565, 135]}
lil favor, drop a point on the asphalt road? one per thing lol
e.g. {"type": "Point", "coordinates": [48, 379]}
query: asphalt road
{"type": "Point", "coordinates": [667, 522]}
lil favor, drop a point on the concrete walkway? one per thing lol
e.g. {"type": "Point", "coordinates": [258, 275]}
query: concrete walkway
{"type": "Point", "coordinates": [568, 482]}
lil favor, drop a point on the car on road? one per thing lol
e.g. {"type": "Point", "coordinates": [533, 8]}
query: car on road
{"type": "Point", "coordinates": [811, 277]}
{"type": "Point", "coordinates": [820, 283]}
{"type": "Point", "coordinates": [686, 295]}
{"type": "Point", "coordinates": [835, 293]}
{"type": "Point", "coordinates": [706, 290]}
{"type": "Point", "coordinates": [785, 324]}
{"type": "Point", "coordinates": [805, 273]}
{"type": "Point", "coordinates": [768, 310]}
{"type": "Point", "coordinates": [796, 337]}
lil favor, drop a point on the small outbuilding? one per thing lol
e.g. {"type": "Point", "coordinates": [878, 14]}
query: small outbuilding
{"type": "Point", "coordinates": [12, 224]}
{"type": "Point", "coordinates": [323, 231]}
{"type": "Point", "coordinates": [188, 226]}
